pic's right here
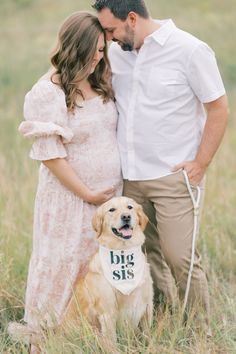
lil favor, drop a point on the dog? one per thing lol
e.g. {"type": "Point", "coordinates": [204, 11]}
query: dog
{"type": "Point", "coordinates": [118, 285]}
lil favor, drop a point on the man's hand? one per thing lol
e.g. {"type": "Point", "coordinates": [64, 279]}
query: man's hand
{"type": "Point", "coordinates": [194, 169]}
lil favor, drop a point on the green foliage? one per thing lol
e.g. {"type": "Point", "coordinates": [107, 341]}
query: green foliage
{"type": "Point", "coordinates": [28, 31]}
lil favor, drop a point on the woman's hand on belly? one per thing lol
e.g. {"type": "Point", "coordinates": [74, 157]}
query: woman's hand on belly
{"type": "Point", "coordinates": [64, 172]}
{"type": "Point", "coordinates": [99, 197]}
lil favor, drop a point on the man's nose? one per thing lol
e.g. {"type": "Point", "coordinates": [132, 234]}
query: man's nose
{"type": "Point", "coordinates": [109, 36]}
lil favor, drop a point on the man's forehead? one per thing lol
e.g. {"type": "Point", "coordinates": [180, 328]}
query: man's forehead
{"type": "Point", "coordinates": [107, 19]}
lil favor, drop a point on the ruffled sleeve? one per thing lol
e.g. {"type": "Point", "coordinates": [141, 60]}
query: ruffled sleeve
{"type": "Point", "coordinates": [46, 120]}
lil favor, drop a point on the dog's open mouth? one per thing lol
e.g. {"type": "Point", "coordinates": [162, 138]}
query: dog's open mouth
{"type": "Point", "coordinates": [124, 232]}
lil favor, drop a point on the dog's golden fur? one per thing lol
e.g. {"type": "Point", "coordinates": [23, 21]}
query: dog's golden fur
{"type": "Point", "coordinates": [95, 298]}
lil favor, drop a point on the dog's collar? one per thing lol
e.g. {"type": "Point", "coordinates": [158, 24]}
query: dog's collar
{"type": "Point", "coordinates": [124, 269]}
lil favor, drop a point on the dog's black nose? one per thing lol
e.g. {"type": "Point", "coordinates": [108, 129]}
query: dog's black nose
{"type": "Point", "coordinates": [126, 218]}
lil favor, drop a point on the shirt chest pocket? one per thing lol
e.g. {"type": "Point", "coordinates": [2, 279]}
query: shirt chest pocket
{"type": "Point", "coordinates": [165, 84]}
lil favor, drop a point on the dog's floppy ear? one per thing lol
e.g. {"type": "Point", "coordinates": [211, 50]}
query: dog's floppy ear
{"type": "Point", "coordinates": [142, 217]}
{"type": "Point", "coordinates": [97, 221]}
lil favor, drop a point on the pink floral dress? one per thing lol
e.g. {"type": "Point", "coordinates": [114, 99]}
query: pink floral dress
{"type": "Point", "coordinates": [63, 238]}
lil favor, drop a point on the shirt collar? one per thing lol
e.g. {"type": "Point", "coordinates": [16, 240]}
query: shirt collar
{"type": "Point", "coordinates": [163, 33]}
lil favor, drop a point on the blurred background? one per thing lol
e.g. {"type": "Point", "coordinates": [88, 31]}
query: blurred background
{"type": "Point", "coordinates": [28, 30]}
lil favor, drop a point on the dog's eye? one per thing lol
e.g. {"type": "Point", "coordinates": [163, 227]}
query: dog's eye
{"type": "Point", "coordinates": [129, 207]}
{"type": "Point", "coordinates": [112, 209]}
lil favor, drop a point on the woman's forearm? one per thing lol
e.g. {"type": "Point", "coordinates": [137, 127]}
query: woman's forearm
{"type": "Point", "coordinates": [67, 176]}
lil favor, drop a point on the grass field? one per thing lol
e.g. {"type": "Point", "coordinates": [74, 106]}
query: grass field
{"type": "Point", "coordinates": [28, 30]}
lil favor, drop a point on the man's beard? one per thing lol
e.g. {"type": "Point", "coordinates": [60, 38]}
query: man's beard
{"type": "Point", "coordinates": [128, 44]}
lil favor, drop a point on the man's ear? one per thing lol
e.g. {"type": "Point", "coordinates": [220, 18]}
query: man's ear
{"type": "Point", "coordinates": [97, 221]}
{"type": "Point", "coordinates": [142, 217]}
{"type": "Point", "coordinates": [132, 19]}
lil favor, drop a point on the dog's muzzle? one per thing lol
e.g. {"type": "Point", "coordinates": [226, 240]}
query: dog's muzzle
{"type": "Point", "coordinates": [126, 230]}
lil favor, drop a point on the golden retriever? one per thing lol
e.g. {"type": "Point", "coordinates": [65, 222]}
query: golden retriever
{"type": "Point", "coordinates": [121, 292]}
{"type": "Point", "coordinates": [115, 287]}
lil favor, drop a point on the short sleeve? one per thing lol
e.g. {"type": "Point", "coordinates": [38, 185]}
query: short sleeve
{"type": "Point", "coordinates": [203, 74]}
{"type": "Point", "coordinates": [46, 121]}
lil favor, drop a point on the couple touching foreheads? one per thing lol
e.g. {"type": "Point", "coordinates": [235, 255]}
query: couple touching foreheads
{"type": "Point", "coordinates": [131, 118]}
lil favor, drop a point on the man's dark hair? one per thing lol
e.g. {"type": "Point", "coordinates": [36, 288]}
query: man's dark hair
{"type": "Point", "coordinates": [121, 8]}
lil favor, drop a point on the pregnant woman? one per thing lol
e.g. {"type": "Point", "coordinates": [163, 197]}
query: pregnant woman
{"type": "Point", "coordinates": [71, 115]}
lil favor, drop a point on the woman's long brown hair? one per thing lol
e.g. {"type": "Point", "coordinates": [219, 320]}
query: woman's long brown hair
{"type": "Point", "coordinates": [73, 56]}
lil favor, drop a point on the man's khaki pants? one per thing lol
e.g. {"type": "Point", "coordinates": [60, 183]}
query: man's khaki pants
{"type": "Point", "coordinates": [167, 203]}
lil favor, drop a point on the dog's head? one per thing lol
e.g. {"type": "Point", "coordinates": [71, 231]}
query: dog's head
{"type": "Point", "coordinates": [120, 221]}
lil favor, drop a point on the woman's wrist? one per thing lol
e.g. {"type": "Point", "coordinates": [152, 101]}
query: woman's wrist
{"type": "Point", "coordinates": [87, 195]}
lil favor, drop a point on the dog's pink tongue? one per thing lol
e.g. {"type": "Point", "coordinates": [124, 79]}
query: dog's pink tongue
{"type": "Point", "coordinates": [126, 232]}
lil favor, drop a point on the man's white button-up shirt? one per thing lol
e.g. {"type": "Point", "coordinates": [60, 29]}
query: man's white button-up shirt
{"type": "Point", "coordinates": [160, 92]}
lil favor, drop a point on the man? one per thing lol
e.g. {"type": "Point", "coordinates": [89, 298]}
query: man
{"type": "Point", "coordinates": [172, 116]}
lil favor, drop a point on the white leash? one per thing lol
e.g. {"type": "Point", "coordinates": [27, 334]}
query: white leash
{"type": "Point", "coordinates": [196, 204]}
